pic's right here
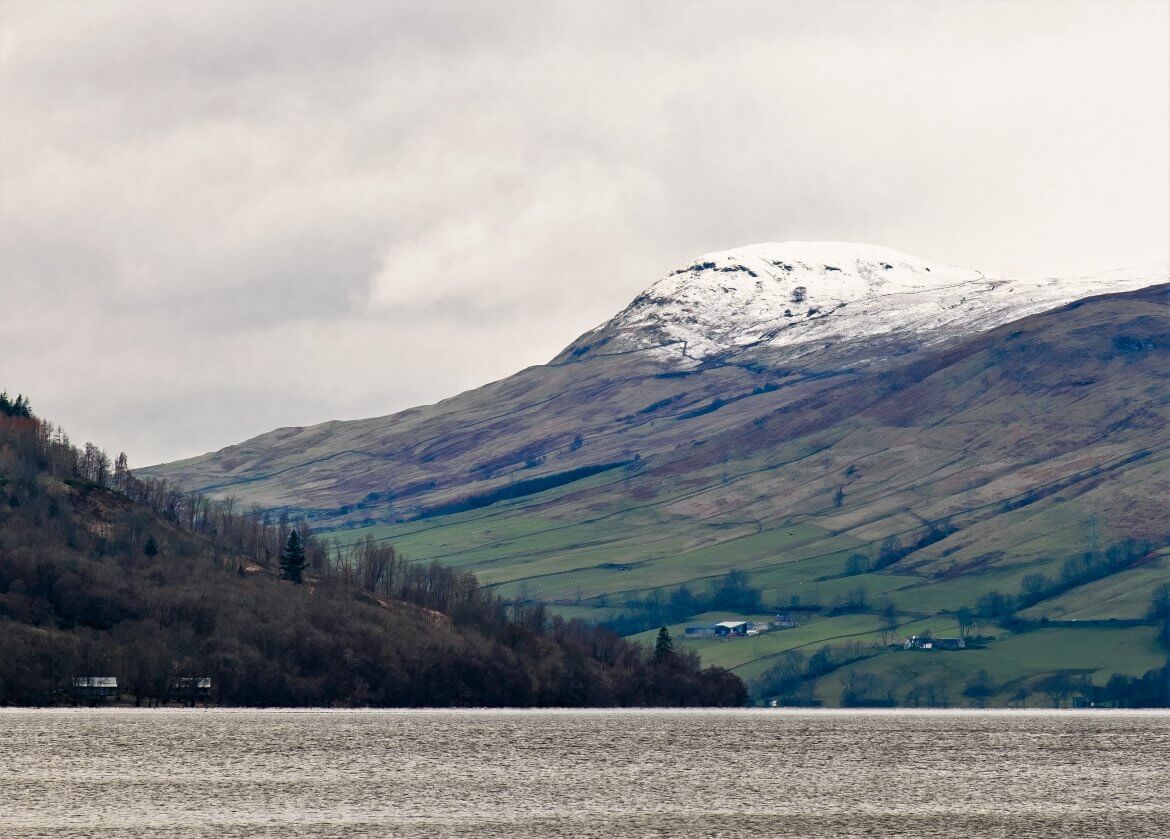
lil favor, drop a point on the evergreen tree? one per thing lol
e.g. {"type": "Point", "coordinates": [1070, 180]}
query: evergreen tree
{"type": "Point", "coordinates": [17, 408]}
{"type": "Point", "coordinates": [664, 646]}
{"type": "Point", "coordinates": [292, 559]}
{"type": "Point", "coordinates": [151, 547]}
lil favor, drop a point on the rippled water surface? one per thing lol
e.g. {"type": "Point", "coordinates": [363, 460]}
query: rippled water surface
{"type": "Point", "coordinates": [606, 774]}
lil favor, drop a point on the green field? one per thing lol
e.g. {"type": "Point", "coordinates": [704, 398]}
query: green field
{"type": "Point", "coordinates": [748, 657]}
{"type": "Point", "coordinates": [1012, 661]}
{"type": "Point", "coordinates": [1125, 595]}
{"type": "Point", "coordinates": [590, 548]}
{"type": "Point", "coordinates": [588, 566]}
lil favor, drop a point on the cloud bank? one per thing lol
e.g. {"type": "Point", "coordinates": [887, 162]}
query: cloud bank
{"type": "Point", "coordinates": [219, 218]}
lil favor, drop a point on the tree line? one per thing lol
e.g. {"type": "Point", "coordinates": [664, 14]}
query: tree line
{"type": "Point", "coordinates": [731, 592]}
{"type": "Point", "coordinates": [17, 407]}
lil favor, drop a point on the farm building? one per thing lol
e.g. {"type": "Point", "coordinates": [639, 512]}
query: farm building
{"type": "Point", "coordinates": [949, 643]}
{"type": "Point", "coordinates": [92, 688]}
{"type": "Point", "coordinates": [926, 642]}
{"type": "Point", "coordinates": [726, 629]}
{"type": "Point", "coordinates": [191, 688]}
{"type": "Point", "coordinates": [732, 627]}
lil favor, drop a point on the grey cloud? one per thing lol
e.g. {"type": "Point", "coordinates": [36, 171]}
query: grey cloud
{"type": "Point", "coordinates": [216, 218]}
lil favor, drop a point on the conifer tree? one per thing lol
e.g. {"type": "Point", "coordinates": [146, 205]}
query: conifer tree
{"type": "Point", "coordinates": [17, 408]}
{"type": "Point", "coordinates": [664, 646]}
{"type": "Point", "coordinates": [292, 559]}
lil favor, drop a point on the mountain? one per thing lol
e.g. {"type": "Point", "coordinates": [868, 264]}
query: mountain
{"type": "Point", "coordinates": [795, 321]}
{"type": "Point", "coordinates": [806, 294]}
{"type": "Point", "coordinates": [927, 443]}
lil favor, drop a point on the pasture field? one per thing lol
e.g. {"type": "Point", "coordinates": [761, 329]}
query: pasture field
{"type": "Point", "coordinates": [1011, 660]}
{"type": "Point", "coordinates": [1125, 595]}
{"type": "Point", "coordinates": [588, 549]}
{"type": "Point", "coordinates": [748, 657]}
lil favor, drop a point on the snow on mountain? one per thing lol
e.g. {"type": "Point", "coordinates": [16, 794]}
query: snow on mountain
{"type": "Point", "coordinates": [792, 293]}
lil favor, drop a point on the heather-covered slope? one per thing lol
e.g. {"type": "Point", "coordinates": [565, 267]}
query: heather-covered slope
{"type": "Point", "coordinates": [1028, 444]}
{"type": "Point", "coordinates": [1035, 440]}
{"type": "Point", "coordinates": [731, 338]}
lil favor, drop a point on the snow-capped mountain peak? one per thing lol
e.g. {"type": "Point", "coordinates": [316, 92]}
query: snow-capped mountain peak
{"type": "Point", "coordinates": [790, 293]}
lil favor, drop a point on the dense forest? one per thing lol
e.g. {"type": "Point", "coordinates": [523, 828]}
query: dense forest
{"type": "Point", "coordinates": [105, 574]}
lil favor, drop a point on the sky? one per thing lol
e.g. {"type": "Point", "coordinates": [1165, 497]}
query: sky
{"type": "Point", "coordinates": [218, 218]}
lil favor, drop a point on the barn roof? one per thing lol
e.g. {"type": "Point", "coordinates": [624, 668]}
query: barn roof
{"type": "Point", "coordinates": [95, 682]}
{"type": "Point", "coordinates": [192, 682]}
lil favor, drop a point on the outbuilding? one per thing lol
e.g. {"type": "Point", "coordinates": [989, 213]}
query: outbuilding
{"type": "Point", "coordinates": [950, 643]}
{"type": "Point", "coordinates": [93, 688]}
{"type": "Point", "coordinates": [191, 688]}
{"type": "Point", "coordinates": [926, 642]}
{"type": "Point", "coordinates": [732, 627]}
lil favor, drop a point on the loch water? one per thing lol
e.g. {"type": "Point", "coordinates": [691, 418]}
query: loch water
{"type": "Point", "coordinates": [582, 774]}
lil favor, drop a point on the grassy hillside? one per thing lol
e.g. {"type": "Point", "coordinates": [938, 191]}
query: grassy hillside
{"type": "Point", "coordinates": [1020, 667]}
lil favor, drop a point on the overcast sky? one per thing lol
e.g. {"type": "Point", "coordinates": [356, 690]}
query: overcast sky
{"type": "Point", "coordinates": [220, 218]}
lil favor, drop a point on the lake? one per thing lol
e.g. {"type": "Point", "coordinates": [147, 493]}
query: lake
{"type": "Point", "coordinates": [581, 774]}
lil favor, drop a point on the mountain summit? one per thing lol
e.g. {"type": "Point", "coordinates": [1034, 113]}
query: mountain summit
{"type": "Point", "coordinates": [785, 294]}
{"type": "Point", "coordinates": [726, 358]}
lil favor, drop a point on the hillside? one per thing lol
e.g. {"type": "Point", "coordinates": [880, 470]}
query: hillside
{"type": "Point", "coordinates": [717, 331]}
{"type": "Point", "coordinates": [1013, 467]}
{"type": "Point", "coordinates": [105, 575]}
{"type": "Point", "coordinates": [1029, 452]}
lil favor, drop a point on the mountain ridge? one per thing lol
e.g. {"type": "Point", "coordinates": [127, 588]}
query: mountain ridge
{"type": "Point", "coordinates": [797, 293]}
{"type": "Point", "coordinates": [593, 406]}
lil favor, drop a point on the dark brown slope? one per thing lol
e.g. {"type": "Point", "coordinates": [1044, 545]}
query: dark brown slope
{"type": "Point", "coordinates": [103, 576]}
{"type": "Point", "coordinates": [1088, 374]}
{"type": "Point", "coordinates": [1012, 451]}
{"type": "Point", "coordinates": [1030, 442]}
